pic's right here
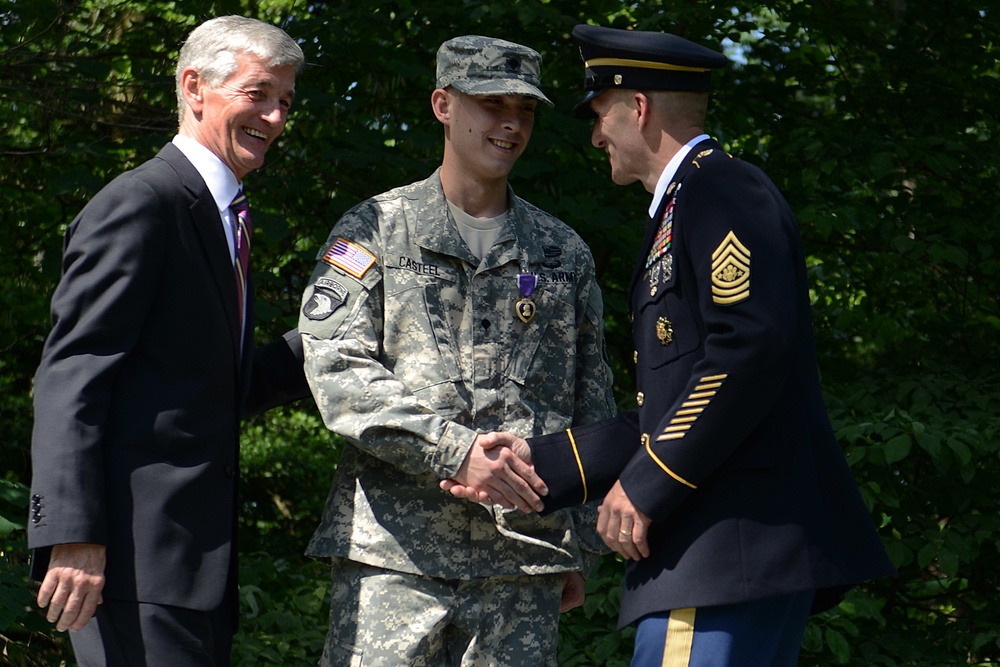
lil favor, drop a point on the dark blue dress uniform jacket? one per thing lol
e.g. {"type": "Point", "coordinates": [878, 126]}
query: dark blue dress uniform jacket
{"type": "Point", "coordinates": [730, 452]}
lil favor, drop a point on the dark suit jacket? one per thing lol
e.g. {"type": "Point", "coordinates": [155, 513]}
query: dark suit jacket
{"type": "Point", "coordinates": [140, 390]}
{"type": "Point", "coordinates": [730, 452]}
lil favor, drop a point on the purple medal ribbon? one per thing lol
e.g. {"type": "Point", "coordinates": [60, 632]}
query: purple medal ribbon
{"type": "Point", "coordinates": [526, 283]}
{"type": "Point", "coordinates": [525, 307]}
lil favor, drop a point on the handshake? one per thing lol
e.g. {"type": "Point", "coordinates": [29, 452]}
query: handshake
{"type": "Point", "coordinates": [498, 471]}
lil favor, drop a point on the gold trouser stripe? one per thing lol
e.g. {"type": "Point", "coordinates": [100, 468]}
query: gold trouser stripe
{"type": "Point", "coordinates": [579, 464]}
{"type": "Point", "coordinates": [680, 636]}
{"type": "Point", "coordinates": [641, 64]}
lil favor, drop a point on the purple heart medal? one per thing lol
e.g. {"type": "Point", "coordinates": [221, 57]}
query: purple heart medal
{"type": "Point", "coordinates": [525, 307]}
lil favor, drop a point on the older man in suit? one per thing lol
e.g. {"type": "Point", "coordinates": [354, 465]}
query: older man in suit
{"type": "Point", "coordinates": [149, 366]}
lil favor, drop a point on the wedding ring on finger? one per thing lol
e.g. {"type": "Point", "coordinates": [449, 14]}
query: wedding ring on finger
{"type": "Point", "coordinates": [626, 533]}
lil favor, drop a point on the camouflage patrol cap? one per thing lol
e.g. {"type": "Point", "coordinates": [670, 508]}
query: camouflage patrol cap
{"type": "Point", "coordinates": [478, 65]}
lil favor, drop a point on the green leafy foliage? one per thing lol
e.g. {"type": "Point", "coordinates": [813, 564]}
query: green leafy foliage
{"type": "Point", "coordinates": [877, 119]}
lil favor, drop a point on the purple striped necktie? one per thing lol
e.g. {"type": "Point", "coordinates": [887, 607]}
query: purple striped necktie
{"type": "Point", "coordinates": [242, 229]}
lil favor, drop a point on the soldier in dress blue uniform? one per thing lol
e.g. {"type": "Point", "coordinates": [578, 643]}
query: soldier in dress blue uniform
{"type": "Point", "coordinates": [733, 505]}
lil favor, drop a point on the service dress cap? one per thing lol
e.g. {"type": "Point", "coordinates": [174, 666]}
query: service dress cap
{"type": "Point", "coordinates": [477, 65]}
{"type": "Point", "coordinates": [641, 60]}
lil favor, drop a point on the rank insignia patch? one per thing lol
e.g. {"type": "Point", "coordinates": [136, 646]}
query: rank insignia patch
{"type": "Point", "coordinates": [730, 271]}
{"type": "Point", "coordinates": [327, 296]}
{"type": "Point", "coordinates": [349, 257]}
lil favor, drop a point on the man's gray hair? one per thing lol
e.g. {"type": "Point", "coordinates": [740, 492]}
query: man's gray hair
{"type": "Point", "coordinates": [212, 49]}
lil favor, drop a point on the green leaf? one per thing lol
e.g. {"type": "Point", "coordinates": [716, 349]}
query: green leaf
{"type": "Point", "coordinates": [898, 448]}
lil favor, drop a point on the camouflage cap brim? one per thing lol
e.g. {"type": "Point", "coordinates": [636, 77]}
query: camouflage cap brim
{"type": "Point", "coordinates": [501, 87]}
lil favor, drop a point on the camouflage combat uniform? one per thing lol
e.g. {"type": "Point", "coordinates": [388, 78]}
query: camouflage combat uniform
{"type": "Point", "coordinates": [412, 347]}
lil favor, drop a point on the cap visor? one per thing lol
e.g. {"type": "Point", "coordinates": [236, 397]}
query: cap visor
{"type": "Point", "coordinates": [582, 108]}
{"type": "Point", "coordinates": [502, 87]}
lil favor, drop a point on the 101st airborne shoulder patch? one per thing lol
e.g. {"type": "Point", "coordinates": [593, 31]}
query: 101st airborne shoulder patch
{"type": "Point", "coordinates": [730, 271]}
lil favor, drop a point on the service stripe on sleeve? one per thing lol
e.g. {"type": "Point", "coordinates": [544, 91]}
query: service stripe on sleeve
{"type": "Point", "coordinates": [691, 409]}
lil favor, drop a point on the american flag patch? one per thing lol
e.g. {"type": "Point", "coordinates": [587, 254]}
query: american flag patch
{"type": "Point", "coordinates": [349, 257]}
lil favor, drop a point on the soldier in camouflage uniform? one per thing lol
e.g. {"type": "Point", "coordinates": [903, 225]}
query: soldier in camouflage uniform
{"type": "Point", "coordinates": [437, 313]}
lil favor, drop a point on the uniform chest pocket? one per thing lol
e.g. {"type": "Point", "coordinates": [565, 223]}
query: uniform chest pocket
{"type": "Point", "coordinates": [545, 346]}
{"type": "Point", "coordinates": [666, 325]}
{"type": "Point", "coordinates": [418, 339]}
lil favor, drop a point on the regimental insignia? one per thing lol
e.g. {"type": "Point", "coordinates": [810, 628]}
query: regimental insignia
{"type": "Point", "coordinates": [327, 296]}
{"type": "Point", "coordinates": [664, 331]}
{"type": "Point", "coordinates": [730, 271]}
{"type": "Point", "coordinates": [349, 257]}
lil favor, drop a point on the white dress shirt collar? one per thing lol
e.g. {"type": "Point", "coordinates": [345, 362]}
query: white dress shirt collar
{"type": "Point", "coordinates": [219, 178]}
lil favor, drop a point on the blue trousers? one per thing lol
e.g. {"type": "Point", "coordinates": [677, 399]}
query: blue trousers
{"type": "Point", "coordinates": [761, 633]}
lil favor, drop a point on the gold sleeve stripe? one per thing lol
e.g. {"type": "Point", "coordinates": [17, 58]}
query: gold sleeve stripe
{"type": "Point", "coordinates": [692, 408]}
{"type": "Point", "coordinates": [666, 469]}
{"type": "Point", "coordinates": [579, 463]}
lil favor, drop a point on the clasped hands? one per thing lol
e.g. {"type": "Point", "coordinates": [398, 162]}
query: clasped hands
{"type": "Point", "coordinates": [498, 470]}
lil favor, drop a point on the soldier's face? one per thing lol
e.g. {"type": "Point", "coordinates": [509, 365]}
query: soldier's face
{"type": "Point", "coordinates": [488, 133]}
{"type": "Point", "coordinates": [616, 130]}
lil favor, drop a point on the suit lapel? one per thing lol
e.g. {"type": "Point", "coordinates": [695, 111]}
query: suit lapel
{"type": "Point", "coordinates": [204, 218]}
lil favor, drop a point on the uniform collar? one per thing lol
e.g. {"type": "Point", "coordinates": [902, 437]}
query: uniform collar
{"type": "Point", "coordinates": [517, 234]}
{"type": "Point", "coordinates": [671, 170]}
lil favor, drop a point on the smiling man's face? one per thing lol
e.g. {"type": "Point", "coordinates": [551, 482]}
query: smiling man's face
{"type": "Point", "coordinates": [240, 119]}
